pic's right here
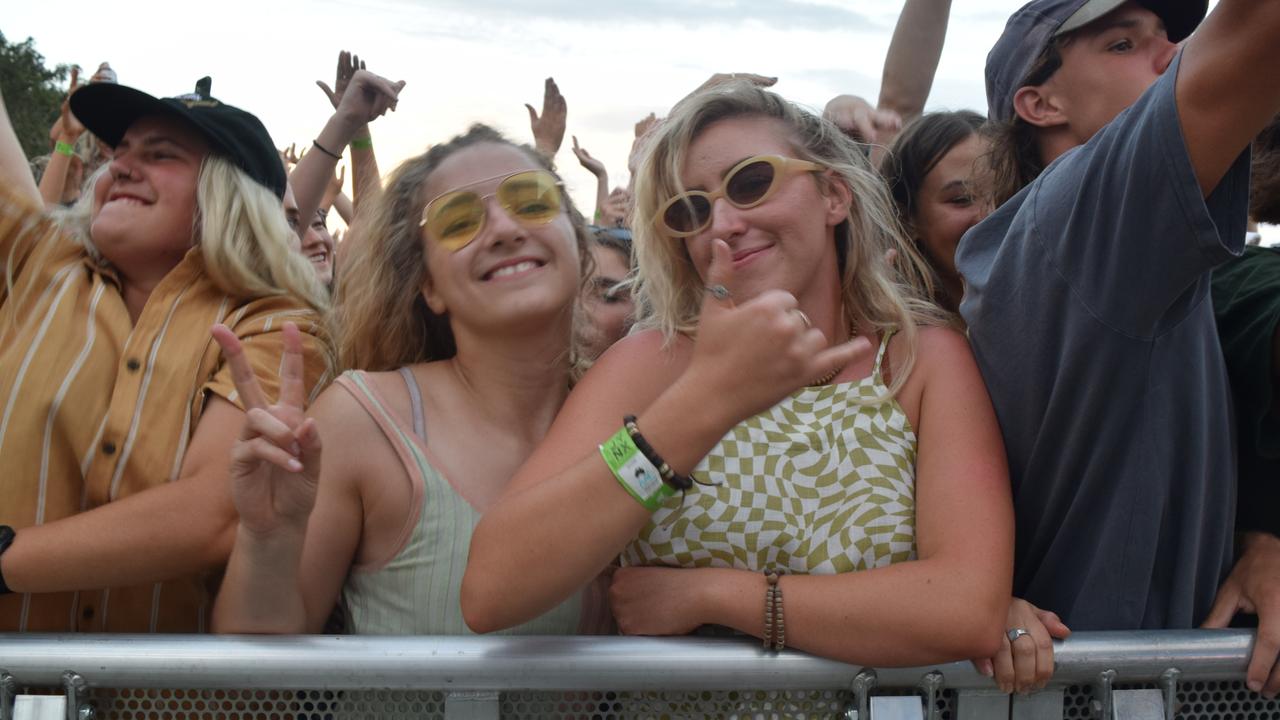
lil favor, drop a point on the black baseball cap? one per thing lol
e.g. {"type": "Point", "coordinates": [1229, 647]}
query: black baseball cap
{"type": "Point", "coordinates": [1031, 29]}
{"type": "Point", "coordinates": [108, 110]}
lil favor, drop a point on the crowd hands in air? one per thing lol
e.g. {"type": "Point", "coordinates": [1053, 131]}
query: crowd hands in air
{"type": "Point", "coordinates": [847, 430]}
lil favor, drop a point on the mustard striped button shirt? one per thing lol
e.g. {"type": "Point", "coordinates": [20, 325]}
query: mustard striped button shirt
{"type": "Point", "coordinates": [94, 407]}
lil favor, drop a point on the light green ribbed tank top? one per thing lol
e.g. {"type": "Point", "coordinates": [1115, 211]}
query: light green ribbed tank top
{"type": "Point", "coordinates": [417, 591]}
{"type": "Point", "coordinates": [818, 484]}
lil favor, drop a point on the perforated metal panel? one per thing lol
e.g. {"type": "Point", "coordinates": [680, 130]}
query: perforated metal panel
{"type": "Point", "coordinates": [1196, 701]}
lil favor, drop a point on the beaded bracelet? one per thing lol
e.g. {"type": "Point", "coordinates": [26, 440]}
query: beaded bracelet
{"type": "Point", "coordinates": [634, 472]}
{"type": "Point", "coordinates": [669, 476]}
{"type": "Point", "coordinates": [775, 629]}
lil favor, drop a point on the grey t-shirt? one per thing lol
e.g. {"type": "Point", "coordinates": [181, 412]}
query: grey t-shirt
{"type": "Point", "coordinates": [1087, 299]}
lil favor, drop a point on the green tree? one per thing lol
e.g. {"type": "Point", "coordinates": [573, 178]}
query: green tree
{"type": "Point", "coordinates": [32, 92]}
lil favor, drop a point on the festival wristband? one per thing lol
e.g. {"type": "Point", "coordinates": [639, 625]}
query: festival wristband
{"type": "Point", "coordinates": [634, 472]}
{"type": "Point", "coordinates": [64, 148]}
{"type": "Point", "coordinates": [362, 143]}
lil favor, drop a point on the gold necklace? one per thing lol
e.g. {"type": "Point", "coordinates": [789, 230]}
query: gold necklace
{"type": "Point", "coordinates": [853, 333]}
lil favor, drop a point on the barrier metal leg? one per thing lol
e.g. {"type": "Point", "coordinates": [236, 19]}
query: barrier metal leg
{"type": "Point", "coordinates": [1169, 683]}
{"type": "Point", "coordinates": [981, 704]}
{"type": "Point", "coordinates": [1103, 704]}
{"type": "Point", "coordinates": [77, 701]}
{"type": "Point", "coordinates": [8, 691]}
{"type": "Point", "coordinates": [932, 684]}
{"type": "Point", "coordinates": [471, 706]}
{"type": "Point", "coordinates": [1043, 705]}
{"type": "Point", "coordinates": [862, 685]}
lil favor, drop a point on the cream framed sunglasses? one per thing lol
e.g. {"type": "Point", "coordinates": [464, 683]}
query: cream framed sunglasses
{"type": "Point", "coordinates": [455, 218]}
{"type": "Point", "coordinates": [746, 185]}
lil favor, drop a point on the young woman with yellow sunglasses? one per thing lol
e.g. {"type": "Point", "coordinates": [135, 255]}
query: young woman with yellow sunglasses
{"type": "Point", "coordinates": [454, 321]}
{"type": "Point", "coordinates": [815, 460]}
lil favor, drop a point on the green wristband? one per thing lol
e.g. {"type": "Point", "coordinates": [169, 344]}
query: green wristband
{"type": "Point", "coordinates": [634, 472]}
{"type": "Point", "coordinates": [362, 144]}
{"type": "Point", "coordinates": [64, 148]}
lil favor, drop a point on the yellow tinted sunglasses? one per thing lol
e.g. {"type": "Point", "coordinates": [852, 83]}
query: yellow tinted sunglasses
{"type": "Point", "coordinates": [748, 184]}
{"type": "Point", "coordinates": [455, 218]}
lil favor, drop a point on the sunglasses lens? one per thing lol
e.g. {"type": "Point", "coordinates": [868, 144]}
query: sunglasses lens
{"type": "Point", "coordinates": [454, 219]}
{"type": "Point", "coordinates": [531, 197]}
{"type": "Point", "coordinates": [750, 183]}
{"type": "Point", "coordinates": [687, 214]}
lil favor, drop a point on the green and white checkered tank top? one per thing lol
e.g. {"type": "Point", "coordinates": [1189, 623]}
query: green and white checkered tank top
{"type": "Point", "coordinates": [818, 484]}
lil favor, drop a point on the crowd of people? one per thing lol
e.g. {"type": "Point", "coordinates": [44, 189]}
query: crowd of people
{"type": "Point", "coordinates": [880, 385]}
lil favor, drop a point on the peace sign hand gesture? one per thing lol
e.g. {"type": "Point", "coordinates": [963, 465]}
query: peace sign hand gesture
{"type": "Point", "coordinates": [275, 464]}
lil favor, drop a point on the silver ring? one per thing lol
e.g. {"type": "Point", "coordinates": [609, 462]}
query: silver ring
{"type": "Point", "coordinates": [803, 318]}
{"type": "Point", "coordinates": [719, 292]}
{"type": "Point", "coordinates": [1015, 633]}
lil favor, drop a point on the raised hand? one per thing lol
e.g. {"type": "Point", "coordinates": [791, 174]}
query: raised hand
{"type": "Point", "coordinates": [590, 163]}
{"type": "Point", "coordinates": [348, 64]}
{"type": "Point", "coordinates": [723, 78]}
{"type": "Point", "coordinates": [368, 97]}
{"type": "Point", "coordinates": [291, 155]}
{"type": "Point", "coordinates": [548, 129]}
{"type": "Point", "coordinates": [67, 128]}
{"type": "Point", "coordinates": [759, 352]}
{"type": "Point", "coordinates": [616, 208]}
{"type": "Point", "coordinates": [645, 124]}
{"type": "Point", "coordinates": [860, 120]}
{"type": "Point", "coordinates": [275, 464]}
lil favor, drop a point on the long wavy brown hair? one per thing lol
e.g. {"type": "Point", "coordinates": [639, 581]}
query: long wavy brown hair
{"type": "Point", "coordinates": [381, 321]}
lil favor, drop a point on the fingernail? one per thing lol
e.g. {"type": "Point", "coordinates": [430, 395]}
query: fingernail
{"type": "Point", "coordinates": [295, 448]}
{"type": "Point", "coordinates": [986, 670]}
{"type": "Point", "coordinates": [1255, 685]}
{"type": "Point", "coordinates": [295, 466]}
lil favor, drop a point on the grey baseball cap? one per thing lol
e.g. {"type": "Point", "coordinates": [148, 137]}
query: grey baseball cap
{"type": "Point", "coordinates": [1031, 29]}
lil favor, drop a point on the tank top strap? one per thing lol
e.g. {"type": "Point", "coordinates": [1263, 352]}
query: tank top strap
{"type": "Point", "coordinates": [415, 399]}
{"type": "Point", "coordinates": [884, 345]}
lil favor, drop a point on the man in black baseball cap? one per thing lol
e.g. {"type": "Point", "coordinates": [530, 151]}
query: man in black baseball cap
{"type": "Point", "coordinates": [108, 110]}
{"type": "Point", "coordinates": [1121, 160]}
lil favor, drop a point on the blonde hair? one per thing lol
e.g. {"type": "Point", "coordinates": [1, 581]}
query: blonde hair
{"type": "Point", "coordinates": [245, 240]}
{"type": "Point", "coordinates": [885, 282]}
{"type": "Point", "coordinates": [381, 320]}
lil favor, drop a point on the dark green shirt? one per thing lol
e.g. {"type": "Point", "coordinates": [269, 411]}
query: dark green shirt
{"type": "Point", "coordinates": [1246, 303]}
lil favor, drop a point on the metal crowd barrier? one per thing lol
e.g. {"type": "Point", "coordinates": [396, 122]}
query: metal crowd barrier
{"type": "Point", "coordinates": [1148, 675]}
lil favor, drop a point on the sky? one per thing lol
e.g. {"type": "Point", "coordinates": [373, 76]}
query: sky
{"type": "Point", "coordinates": [468, 61]}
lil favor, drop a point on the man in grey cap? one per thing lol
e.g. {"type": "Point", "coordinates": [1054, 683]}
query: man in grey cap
{"type": "Point", "coordinates": [1123, 158]}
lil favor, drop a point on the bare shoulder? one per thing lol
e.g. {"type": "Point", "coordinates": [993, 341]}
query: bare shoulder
{"type": "Point", "coordinates": [344, 423]}
{"type": "Point", "coordinates": [936, 347]}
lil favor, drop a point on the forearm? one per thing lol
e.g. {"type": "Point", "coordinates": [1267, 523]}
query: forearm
{"type": "Point", "coordinates": [14, 172]}
{"type": "Point", "coordinates": [366, 183]}
{"type": "Point", "coordinates": [602, 195]}
{"type": "Point", "coordinates": [343, 205]}
{"type": "Point", "coordinates": [260, 591]}
{"type": "Point", "coordinates": [313, 172]}
{"type": "Point", "coordinates": [521, 531]}
{"type": "Point", "coordinates": [174, 530]}
{"type": "Point", "coordinates": [54, 181]}
{"type": "Point", "coordinates": [906, 614]}
{"type": "Point", "coordinates": [912, 59]}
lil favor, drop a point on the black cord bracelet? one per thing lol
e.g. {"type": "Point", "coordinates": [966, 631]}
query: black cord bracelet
{"type": "Point", "coordinates": [325, 150]}
{"type": "Point", "coordinates": [669, 476]}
